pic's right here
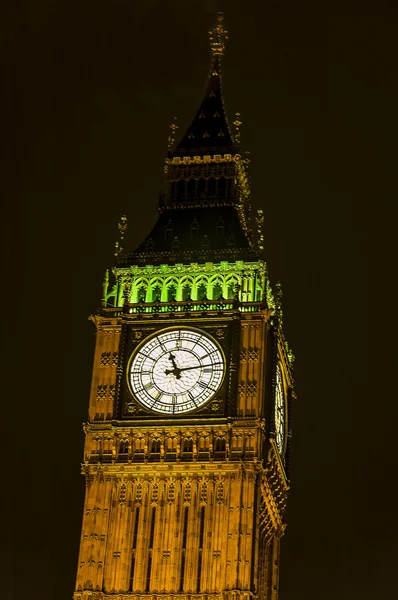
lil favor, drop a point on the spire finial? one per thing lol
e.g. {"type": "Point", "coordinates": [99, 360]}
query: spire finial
{"type": "Point", "coordinates": [218, 36]}
{"type": "Point", "coordinates": [260, 230]}
{"type": "Point", "coordinates": [237, 124]}
{"type": "Point", "coordinates": [122, 227]}
{"type": "Point", "coordinates": [173, 128]}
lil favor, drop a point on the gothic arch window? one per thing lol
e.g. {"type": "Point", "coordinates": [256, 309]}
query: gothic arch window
{"type": "Point", "coordinates": [139, 449]}
{"type": "Point", "coordinates": [156, 293]}
{"type": "Point", "coordinates": [108, 445]}
{"type": "Point", "coordinates": [141, 294]}
{"type": "Point", "coordinates": [171, 448]}
{"type": "Point", "coordinates": [217, 291]}
{"type": "Point", "coordinates": [217, 287]}
{"type": "Point", "coordinates": [202, 292]}
{"type": "Point", "coordinates": [187, 445]}
{"type": "Point", "coordinates": [171, 281]}
{"type": "Point", "coordinates": [236, 443]}
{"type": "Point", "coordinates": [186, 292]}
{"type": "Point", "coordinates": [203, 446]}
{"type": "Point", "coordinates": [230, 292]}
{"type": "Point", "coordinates": [219, 448]}
{"type": "Point", "coordinates": [231, 283]}
{"type": "Point", "coordinates": [123, 447]}
{"type": "Point", "coordinates": [171, 293]}
{"type": "Point", "coordinates": [155, 449]}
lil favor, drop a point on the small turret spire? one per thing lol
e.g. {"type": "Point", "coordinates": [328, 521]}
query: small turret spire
{"type": "Point", "coordinates": [237, 124]}
{"type": "Point", "coordinates": [173, 128]}
{"type": "Point", "coordinates": [218, 36]}
{"type": "Point", "coordinates": [122, 227]}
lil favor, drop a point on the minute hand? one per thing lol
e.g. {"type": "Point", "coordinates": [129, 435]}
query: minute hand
{"type": "Point", "coordinates": [197, 367]}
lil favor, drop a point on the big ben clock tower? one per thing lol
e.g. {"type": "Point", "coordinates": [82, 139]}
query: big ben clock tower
{"type": "Point", "coordinates": [186, 448]}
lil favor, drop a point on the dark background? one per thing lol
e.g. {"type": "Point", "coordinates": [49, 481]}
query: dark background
{"type": "Point", "coordinates": [89, 89]}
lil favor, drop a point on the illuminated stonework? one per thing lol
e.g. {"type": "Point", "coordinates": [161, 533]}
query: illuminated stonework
{"type": "Point", "coordinates": [186, 450]}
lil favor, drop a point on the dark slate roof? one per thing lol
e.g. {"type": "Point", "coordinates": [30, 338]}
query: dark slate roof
{"type": "Point", "coordinates": [209, 131]}
{"type": "Point", "coordinates": [207, 234]}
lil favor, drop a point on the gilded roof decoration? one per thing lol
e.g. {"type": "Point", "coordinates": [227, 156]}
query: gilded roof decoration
{"type": "Point", "coordinates": [218, 36]}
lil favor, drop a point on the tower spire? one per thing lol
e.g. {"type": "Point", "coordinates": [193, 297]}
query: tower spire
{"type": "Point", "coordinates": [218, 36]}
{"type": "Point", "coordinates": [209, 132]}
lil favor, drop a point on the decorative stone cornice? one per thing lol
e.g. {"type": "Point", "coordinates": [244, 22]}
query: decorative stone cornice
{"type": "Point", "coordinates": [225, 595]}
{"type": "Point", "coordinates": [191, 269]}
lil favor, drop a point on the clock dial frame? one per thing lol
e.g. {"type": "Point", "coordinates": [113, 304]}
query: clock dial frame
{"type": "Point", "coordinates": [176, 371]}
{"type": "Point", "coordinates": [280, 411]}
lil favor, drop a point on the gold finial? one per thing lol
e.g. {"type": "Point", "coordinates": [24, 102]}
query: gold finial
{"type": "Point", "coordinates": [173, 128]}
{"type": "Point", "coordinates": [122, 227]}
{"type": "Point", "coordinates": [218, 36]}
{"type": "Point", "coordinates": [237, 124]}
{"type": "Point", "coordinates": [260, 231]}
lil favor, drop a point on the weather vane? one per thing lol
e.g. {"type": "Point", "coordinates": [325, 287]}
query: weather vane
{"type": "Point", "coordinates": [218, 36]}
{"type": "Point", "coordinates": [173, 128]}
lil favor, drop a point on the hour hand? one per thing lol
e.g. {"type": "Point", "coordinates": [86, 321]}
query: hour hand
{"type": "Point", "coordinates": [175, 370]}
{"type": "Point", "coordinates": [173, 361]}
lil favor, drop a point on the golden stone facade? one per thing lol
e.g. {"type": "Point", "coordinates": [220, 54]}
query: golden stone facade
{"type": "Point", "coordinates": [192, 508]}
{"type": "Point", "coordinates": [189, 504]}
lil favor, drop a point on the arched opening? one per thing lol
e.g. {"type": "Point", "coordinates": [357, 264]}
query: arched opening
{"type": "Point", "coordinates": [217, 291]}
{"type": "Point", "coordinates": [202, 292]}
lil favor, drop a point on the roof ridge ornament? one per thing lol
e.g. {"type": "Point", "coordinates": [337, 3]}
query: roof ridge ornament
{"type": "Point", "coordinates": [218, 36]}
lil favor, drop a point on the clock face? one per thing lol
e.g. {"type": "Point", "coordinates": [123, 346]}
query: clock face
{"type": "Point", "coordinates": [279, 411]}
{"type": "Point", "coordinates": [176, 371]}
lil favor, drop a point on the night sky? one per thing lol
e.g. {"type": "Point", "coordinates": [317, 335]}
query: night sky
{"type": "Point", "coordinates": [89, 90]}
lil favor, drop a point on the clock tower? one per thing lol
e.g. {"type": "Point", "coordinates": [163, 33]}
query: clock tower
{"type": "Point", "coordinates": [187, 443]}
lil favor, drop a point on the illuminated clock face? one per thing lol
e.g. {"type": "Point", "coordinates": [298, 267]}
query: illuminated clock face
{"type": "Point", "coordinates": [279, 411]}
{"type": "Point", "coordinates": [176, 371]}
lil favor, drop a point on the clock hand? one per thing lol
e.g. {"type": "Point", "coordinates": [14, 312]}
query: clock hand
{"type": "Point", "coordinates": [173, 361]}
{"type": "Point", "coordinates": [188, 368]}
{"type": "Point", "coordinates": [197, 367]}
{"type": "Point", "coordinates": [175, 370]}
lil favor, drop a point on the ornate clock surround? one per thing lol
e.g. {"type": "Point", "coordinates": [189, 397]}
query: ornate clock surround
{"type": "Point", "coordinates": [225, 331]}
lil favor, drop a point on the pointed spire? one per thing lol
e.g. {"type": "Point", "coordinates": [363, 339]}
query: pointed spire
{"type": "Point", "coordinates": [218, 36]}
{"type": "Point", "coordinates": [209, 131]}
